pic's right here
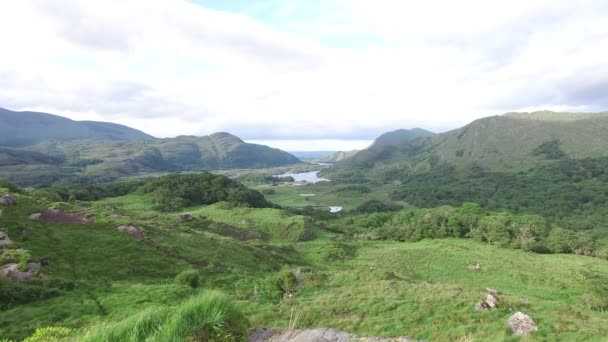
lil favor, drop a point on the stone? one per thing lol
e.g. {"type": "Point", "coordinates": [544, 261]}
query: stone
{"type": "Point", "coordinates": [521, 324]}
{"type": "Point", "coordinates": [474, 267]}
{"type": "Point", "coordinates": [35, 216]}
{"type": "Point", "coordinates": [492, 291]}
{"type": "Point", "coordinates": [315, 335]}
{"type": "Point", "coordinates": [12, 271]}
{"type": "Point", "coordinates": [186, 217]}
{"type": "Point", "coordinates": [4, 240]}
{"type": "Point", "coordinates": [8, 200]}
{"type": "Point", "coordinates": [59, 216]}
{"type": "Point", "coordinates": [131, 231]}
{"type": "Point", "coordinates": [492, 301]}
{"type": "Point", "coordinates": [482, 306]}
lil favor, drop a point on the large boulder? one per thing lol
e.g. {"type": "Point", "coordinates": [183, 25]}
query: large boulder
{"type": "Point", "coordinates": [60, 216]}
{"type": "Point", "coordinates": [522, 324]}
{"type": "Point", "coordinates": [131, 231]}
{"type": "Point", "coordinates": [12, 271]}
{"type": "Point", "coordinates": [186, 217]}
{"type": "Point", "coordinates": [8, 200]}
{"type": "Point", "coordinates": [4, 240]}
{"type": "Point", "coordinates": [492, 301]}
{"type": "Point", "coordinates": [315, 335]}
{"type": "Point", "coordinates": [35, 216]}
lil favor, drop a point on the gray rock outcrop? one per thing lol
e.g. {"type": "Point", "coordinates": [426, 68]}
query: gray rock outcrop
{"type": "Point", "coordinates": [521, 324]}
{"type": "Point", "coordinates": [8, 200]}
{"type": "Point", "coordinates": [315, 335]}
{"type": "Point", "coordinates": [131, 231]}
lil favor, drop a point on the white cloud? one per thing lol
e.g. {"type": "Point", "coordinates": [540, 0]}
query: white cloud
{"type": "Point", "coordinates": [346, 69]}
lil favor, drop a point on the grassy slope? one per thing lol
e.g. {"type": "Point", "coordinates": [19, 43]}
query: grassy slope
{"type": "Point", "coordinates": [430, 296]}
{"type": "Point", "coordinates": [433, 294]}
{"type": "Point", "coordinates": [498, 143]}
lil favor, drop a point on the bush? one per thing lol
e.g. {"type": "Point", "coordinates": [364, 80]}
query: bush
{"type": "Point", "coordinates": [189, 278]}
{"type": "Point", "coordinates": [49, 334]}
{"type": "Point", "coordinates": [376, 206]}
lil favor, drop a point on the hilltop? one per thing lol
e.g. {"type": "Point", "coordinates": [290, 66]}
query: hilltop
{"type": "Point", "coordinates": [401, 136]}
{"type": "Point", "coordinates": [29, 128]}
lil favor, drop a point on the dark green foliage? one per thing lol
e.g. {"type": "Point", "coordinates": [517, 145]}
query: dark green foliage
{"type": "Point", "coordinates": [550, 149]}
{"type": "Point", "coordinates": [174, 192]}
{"type": "Point", "coordinates": [338, 251]}
{"type": "Point", "coordinates": [354, 188]}
{"type": "Point", "coordinates": [571, 193]}
{"type": "Point", "coordinates": [87, 192]}
{"type": "Point", "coordinates": [4, 184]}
{"type": "Point", "coordinates": [189, 278]}
{"type": "Point", "coordinates": [13, 293]}
{"type": "Point", "coordinates": [376, 206]}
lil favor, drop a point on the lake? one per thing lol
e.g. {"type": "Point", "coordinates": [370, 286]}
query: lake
{"type": "Point", "coordinates": [309, 177]}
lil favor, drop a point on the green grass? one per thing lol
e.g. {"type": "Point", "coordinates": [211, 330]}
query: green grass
{"type": "Point", "coordinates": [117, 288]}
{"type": "Point", "coordinates": [209, 316]}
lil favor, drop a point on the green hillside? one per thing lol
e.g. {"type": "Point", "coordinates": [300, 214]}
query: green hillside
{"type": "Point", "coordinates": [90, 161]}
{"type": "Point", "coordinates": [379, 274]}
{"type": "Point", "coordinates": [30, 128]}
{"type": "Point", "coordinates": [401, 136]}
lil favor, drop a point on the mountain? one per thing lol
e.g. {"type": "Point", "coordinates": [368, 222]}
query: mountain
{"type": "Point", "coordinates": [401, 136]}
{"type": "Point", "coordinates": [19, 129]}
{"type": "Point", "coordinates": [339, 156]}
{"type": "Point", "coordinates": [94, 161]}
{"type": "Point", "coordinates": [509, 142]}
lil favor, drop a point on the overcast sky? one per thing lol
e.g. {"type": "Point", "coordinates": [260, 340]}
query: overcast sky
{"type": "Point", "coordinates": [299, 73]}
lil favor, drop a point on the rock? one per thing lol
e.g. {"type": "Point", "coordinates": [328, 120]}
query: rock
{"type": "Point", "coordinates": [482, 306]}
{"type": "Point", "coordinates": [4, 240]}
{"type": "Point", "coordinates": [492, 291]}
{"type": "Point", "coordinates": [12, 271]}
{"type": "Point", "coordinates": [59, 216]}
{"type": "Point", "coordinates": [521, 324]}
{"type": "Point", "coordinates": [132, 231]}
{"type": "Point", "coordinates": [186, 217]}
{"type": "Point", "coordinates": [492, 301]}
{"type": "Point", "coordinates": [35, 216]}
{"type": "Point", "coordinates": [474, 267]}
{"type": "Point", "coordinates": [8, 200]}
{"type": "Point", "coordinates": [315, 335]}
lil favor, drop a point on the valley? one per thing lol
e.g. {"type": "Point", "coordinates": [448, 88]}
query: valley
{"type": "Point", "coordinates": [391, 241]}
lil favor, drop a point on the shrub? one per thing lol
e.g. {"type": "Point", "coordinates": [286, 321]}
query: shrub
{"type": "Point", "coordinates": [49, 334]}
{"type": "Point", "coordinates": [189, 278]}
{"type": "Point", "coordinates": [375, 206]}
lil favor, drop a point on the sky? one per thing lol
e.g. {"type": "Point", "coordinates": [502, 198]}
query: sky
{"type": "Point", "coordinates": [301, 74]}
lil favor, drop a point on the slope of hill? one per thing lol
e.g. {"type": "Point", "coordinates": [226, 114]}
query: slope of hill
{"type": "Point", "coordinates": [30, 128]}
{"type": "Point", "coordinates": [401, 136]}
{"type": "Point", "coordinates": [104, 161]}
{"type": "Point", "coordinates": [100, 281]}
{"type": "Point", "coordinates": [510, 142]}
{"type": "Point", "coordinates": [339, 156]}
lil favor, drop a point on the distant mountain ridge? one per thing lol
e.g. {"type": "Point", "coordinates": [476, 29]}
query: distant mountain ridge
{"type": "Point", "coordinates": [40, 148]}
{"type": "Point", "coordinates": [18, 129]}
{"type": "Point", "coordinates": [401, 136]}
{"type": "Point", "coordinates": [509, 142]}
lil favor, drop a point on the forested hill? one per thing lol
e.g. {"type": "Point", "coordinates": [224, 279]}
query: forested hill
{"type": "Point", "coordinates": [94, 161]}
{"type": "Point", "coordinates": [510, 142]}
{"type": "Point", "coordinates": [30, 128]}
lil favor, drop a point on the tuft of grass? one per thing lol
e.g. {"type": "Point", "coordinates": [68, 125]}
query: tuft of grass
{"type": "Point", "coordinates": [209, 316]}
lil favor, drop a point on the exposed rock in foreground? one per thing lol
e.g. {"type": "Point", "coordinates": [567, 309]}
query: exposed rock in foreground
{"type": "Point", "coordinates": [12, 271]}
{"type": "Point", "coordinates": [59, 216]}
{"type": "Point", "coordinates": [8, 200]}
{"type": "Point", "coordinates": [522, 324]}
{"type": "Point", "coordinates": [132, 231]}
{"type": "Point", "coordinates": [316, 335]}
